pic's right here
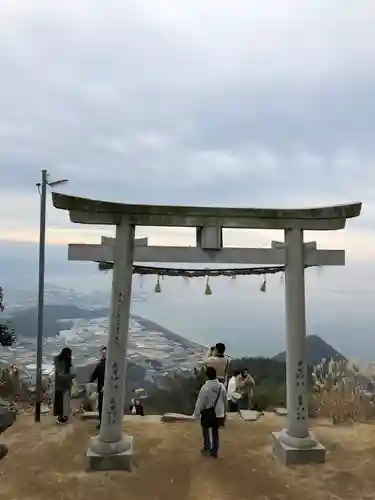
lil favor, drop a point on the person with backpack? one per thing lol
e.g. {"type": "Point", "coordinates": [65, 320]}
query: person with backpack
{"type": "Point", "coordinates": [210, 408]}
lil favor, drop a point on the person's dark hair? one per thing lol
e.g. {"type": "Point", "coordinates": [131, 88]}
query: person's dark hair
{"type": "Point", "coordinates": [211, 373]}
{"type": "Point", "coordinates": [236, 373]}
{"type": "Point", "coordinates": [220, 348]}
{"type": "Point", "coordinates": [66, 356]}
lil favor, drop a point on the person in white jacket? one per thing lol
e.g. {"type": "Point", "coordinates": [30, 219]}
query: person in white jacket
{"type": "Point", "coordinates": [211, 400]}
{"type": "Point", "coordinates": [234, 395]}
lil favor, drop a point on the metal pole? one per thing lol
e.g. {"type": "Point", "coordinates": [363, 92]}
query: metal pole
{"type": "Point", "coordinates": [42, 248]}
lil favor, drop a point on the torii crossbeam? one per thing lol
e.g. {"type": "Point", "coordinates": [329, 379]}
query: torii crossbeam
{"type": "Point", "coordinates": [275, 255]}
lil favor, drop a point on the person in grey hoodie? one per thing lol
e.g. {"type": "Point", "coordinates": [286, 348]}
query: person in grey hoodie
{"type": "Point", "coordinates": [212, 399]}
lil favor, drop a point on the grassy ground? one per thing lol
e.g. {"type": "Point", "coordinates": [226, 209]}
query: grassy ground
{"type": "Point", "coordinates": [48, 462]}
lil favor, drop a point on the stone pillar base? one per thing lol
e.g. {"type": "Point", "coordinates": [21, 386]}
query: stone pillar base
{"type": "Point", "coordinates": [308, 450]}
{"type": "Point", "coordinates": [111, 461]}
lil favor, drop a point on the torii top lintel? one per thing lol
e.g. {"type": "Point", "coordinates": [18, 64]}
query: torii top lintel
{"type": "Point", "coordinates": [87, 211]}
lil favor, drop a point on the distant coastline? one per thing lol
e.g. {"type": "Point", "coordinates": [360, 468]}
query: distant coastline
{"type": "Point", "coordinates": [85, 347]}
{"type": "Point", "coordinates": [61, 317]}
{"type": "Point", "coordinates": [148, 324]}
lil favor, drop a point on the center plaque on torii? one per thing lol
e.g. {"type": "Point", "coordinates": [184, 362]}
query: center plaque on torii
{"type": "Point", "coordinates": [112, 449]}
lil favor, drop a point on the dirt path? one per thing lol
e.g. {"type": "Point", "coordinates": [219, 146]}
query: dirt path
{"type": "Point", "coordinates": [48, 462]}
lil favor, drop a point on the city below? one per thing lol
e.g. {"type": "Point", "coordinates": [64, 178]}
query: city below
{"type": "Point", "coordinates": [150, 346]}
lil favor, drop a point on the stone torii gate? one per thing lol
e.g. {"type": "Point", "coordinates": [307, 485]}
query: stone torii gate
{"type": "Point", "coordinates": [296, 444]}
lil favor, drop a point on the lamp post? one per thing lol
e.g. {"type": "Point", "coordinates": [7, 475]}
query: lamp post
{"type": "Point", "coordinates": [42, 188]}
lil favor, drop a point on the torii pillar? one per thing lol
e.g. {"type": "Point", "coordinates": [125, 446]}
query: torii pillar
{"type": "Point", "coordinates": [296, 444]}
{"type": "Point", "coordinates": [112, 449]}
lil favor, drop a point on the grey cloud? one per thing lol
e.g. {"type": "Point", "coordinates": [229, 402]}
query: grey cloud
{"type": "Point", "coordinates": [191, 105]}
{"type": "Point", "coordinates": [214, 102]}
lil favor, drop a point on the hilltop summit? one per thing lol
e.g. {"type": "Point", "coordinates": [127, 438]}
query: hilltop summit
{"type": "Point", "coordinates": [169, 464]}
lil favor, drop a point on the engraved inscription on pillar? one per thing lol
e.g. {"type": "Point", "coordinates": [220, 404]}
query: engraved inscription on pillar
{"type": "Point", "coordinates": [112, 420]}
{"type": "Point", "coordinates": [300, 384]}
{"type": "Point", "coordinates": [114, 386]}
{"type": "Point", "coordinates": [114, 376]}
{"type": "Point", "coordinates": [120, 300]}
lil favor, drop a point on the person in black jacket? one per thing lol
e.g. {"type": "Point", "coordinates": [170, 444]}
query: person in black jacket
{"type": "Point", "coordinates": [98, 375]}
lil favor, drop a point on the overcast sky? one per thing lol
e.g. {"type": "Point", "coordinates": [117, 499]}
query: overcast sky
{"type": "Point", "coordinates": [225, 102]}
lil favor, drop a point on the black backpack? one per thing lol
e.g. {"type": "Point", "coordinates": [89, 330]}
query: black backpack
{"type": "Point", "coordinates": [208, 415]}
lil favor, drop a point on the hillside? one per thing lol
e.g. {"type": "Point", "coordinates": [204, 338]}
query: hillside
{"type": "Point", "coordinates": [316, 349]}
{"type": "Point", "coordinates": [148, 324]}
{"type": "Point", "coordinates": [26, 322]}
{"type": "Point", "coordinates": [170, 466]}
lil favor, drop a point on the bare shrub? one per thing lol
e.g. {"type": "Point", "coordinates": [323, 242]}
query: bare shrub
{"type": "Point", "coordinates": [340, 393]}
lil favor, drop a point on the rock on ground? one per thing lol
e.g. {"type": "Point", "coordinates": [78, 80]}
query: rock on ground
{"type": "Point", "coordinates": [281, 412]}
{"type": "Point", "coordinates": [177, 417]}
{"type": "Point", "coordinates": [250, 416]}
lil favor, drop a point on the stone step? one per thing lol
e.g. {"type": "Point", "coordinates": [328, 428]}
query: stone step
{"type": "Point", "coordinates": [250, 416]}
{"type": "Point", "coordinates": [88, 415]}
{"type": "Point", "coordinates": [177, 417]}
{"type": "Point", "coordinates": [281, 412]}
{"type": "Point", "coordinates": [93, 415]}
{"type": "Point", "coordinates": [166, 418]}
{"type": "Point", "coordinates": [243, 415]}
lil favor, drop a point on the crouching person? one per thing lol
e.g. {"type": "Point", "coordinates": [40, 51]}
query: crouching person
{"type": "Point", "coordinates": [211, 408]}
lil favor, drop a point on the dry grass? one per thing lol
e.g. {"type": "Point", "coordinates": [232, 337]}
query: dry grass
{"type": "Point", "coordinates": [344, 406]}
{"type": "Point", "coordinates": [47, 462]}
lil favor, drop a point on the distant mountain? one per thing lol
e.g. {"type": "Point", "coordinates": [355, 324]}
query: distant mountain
{"type": "Point", "coordinates": [25, 322]}
{"type": "Point", "coordinates": [316, 349]}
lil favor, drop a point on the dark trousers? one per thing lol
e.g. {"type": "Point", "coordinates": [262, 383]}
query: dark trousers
{"type": "Point", "coordinates": [139, 410]}
{"type": "Point", "coordinates": [232, 406]}
{"type": "Point", "coordinates": [100, 405]}
{"type": "Point", "coordinates": [244, 403]}
{"type": "Point", "coordinates": [208, 443]}
{"type": "Point", "coordinates": [58, 407]}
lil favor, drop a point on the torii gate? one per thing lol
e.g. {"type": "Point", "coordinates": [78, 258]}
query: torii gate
{"type": "Point", "coordinates": [296, 444]}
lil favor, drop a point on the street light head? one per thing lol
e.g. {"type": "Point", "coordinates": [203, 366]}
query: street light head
{"type": "Point", "coordinates": [58, 183]}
